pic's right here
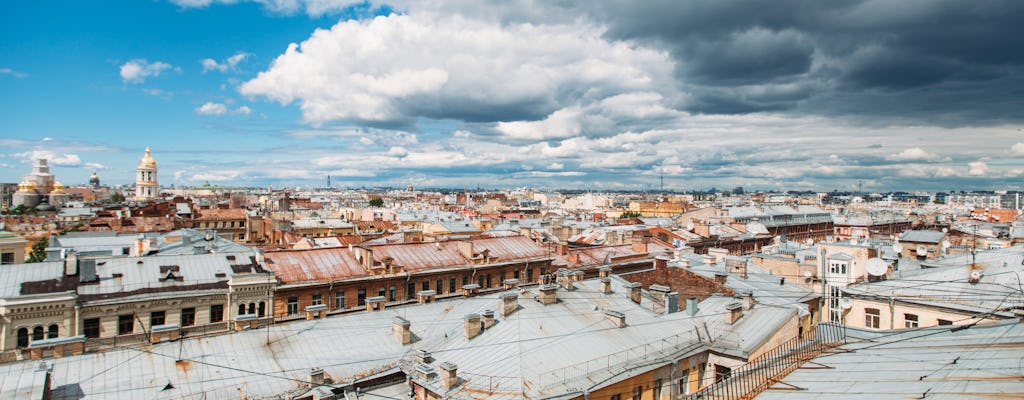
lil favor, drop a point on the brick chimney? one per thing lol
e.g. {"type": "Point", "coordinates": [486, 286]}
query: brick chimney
{"type": "Point", "coordinates": [548, 294]}
{"type": "Point", "coordinates": [718, 253]}
{"type": "Point", "coordinates": [634, 291]}
{"type": "Point", "coordinates": [470, 290]}
{"type": "Point", "coordinates": [316, 376]}
{"type": "Point", "coordinates": [471, 325]}
{"type": "Point", "coordinates": [733, 313]}
{"type": "Point", "coordinates": [604, 271]}
{"type": "Point", "coordinates": [565, 279]}
{"type": "Point", "coordinates": [509, 304]}
{"type": "Point", "coordinates": [510, 284]}
{"type": "Point", "coordinates": [720, 278]}
{"type": "Point", "coordinates": [747, 297]}
{"type": "Point", "coordinates": [617, 317]}
{"type": "Point", "coordinates": [449, 377]}
{"type": "Point", "coordinates": [487, 317]}
{"type": "Point", "coordinates": [424, 357]}
{"type": "Point", "coordinates": [606, 285]}
{"type": "Point", "coordinates": [661, 262]}
{"type": "Point", "coordinates": [466, 249]}
{"type": "Point", "coordinates": [736, 267]}
{"type": "Point", "coordinates": [400, 329]}
{"type": "Point", "coordinates": [658, 293]}
{"type": "Point", "coordinates": [426, 296]}
{"type": "Point", "coordinates": [639, 244]}
{"type": "Point", "coordinates": [563, 249]}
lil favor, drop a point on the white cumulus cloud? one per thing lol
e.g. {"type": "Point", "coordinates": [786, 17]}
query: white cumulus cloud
{"type": "Point", "coordinates": [210, 108]}
{"type": "Point", "coordinates": [138, 70]}
{"type": "Point", "coordinates": [229, 64]}
{"type": "Point", "coordinates": [914, 154]}
{"type": "Point", "coordinates": [977, 168]}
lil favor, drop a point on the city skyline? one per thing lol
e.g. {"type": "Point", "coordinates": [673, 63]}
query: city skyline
{"type": "Point", "coordinates": [609, 95]}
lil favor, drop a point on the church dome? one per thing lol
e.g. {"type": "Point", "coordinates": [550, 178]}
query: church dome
{"type": "Point", "coordinates": [147, 161]}
{"type": "Point", "coordinates": [94, 179]}
{"type": "Point", "coordinates": [58, 187]}
{"type": "Point", "coordinates": [26, 186]}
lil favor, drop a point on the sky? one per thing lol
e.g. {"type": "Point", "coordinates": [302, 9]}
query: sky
{"type": "Point", "coordinates": [603, 94]}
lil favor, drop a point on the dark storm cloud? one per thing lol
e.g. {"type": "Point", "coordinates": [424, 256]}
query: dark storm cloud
{"type": "Point", "coordinates": [901, 59]}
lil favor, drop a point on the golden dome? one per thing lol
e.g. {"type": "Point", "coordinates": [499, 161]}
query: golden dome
{"type": "Point", "coordinates": [26, 186]}
{"type": "Point", "coordinates": [58, 187]}
{"type": "Point", "coordinates": [94, 176]}
{"type": "Point", "coordinates": [147, 160]}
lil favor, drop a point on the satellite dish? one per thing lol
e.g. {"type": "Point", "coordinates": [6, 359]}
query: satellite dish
{"type": "Point", "coordinates": [946, 244]}
{"type": "Point", "coordinates": [807, 274]}
{"type": "Point", "coordinates": [976, 275]}
{"type": "Point", "coordinates": [809, 241]}
{"type": "Point", "coordinates": [876, 266]}
{"type": "Point", "coordinates": [944, 230]}
{"type": "Point", "coordinates": [922, 251]}
{"type": "Point", "coordinates": [846, 303]}
{"type": "Point", "coordinates": [898, 247]}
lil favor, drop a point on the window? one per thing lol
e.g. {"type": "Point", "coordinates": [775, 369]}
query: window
{"type": "Point", "coordinates": [910, 320]}
{"type": "Point", "coordinates": [361, 298]}
{"type": "Point", "coordinates": [91, 327]}
{"type": "Point", "coordinates": [382, 291]}
{"type": "Point", "coordinates": [480, 281]}
{"type": "Point", "coordinates": [451, 285]}
{"type": "Point", "coordinates": [488, 280]}
{"type": "Point", "coordinates": [657, 389]}
{"type": "Point", "coordinates": [638, 392]}
{"type": "Point", "coordinates": [465, 280]}
{"type": "Point", "coordinates": [501, 277]}
{"type": "Point", "coordinates": [339, 299]}
{"type": "Point", "coordinates": [125, 324]}
{"type": "Point", "coordinates": [515, 274]}
{"type": "Point", "coordinates": [7, 258]}
{"type": "Point", "coordinates": [216, 313]}
{"type": "Point", "coordinates": [262, 310]}
{"type": "Point", "coordinates": [722, 372]}
{"type": "Point", "coordinates": [318, 299]}
{"type": "Point", "coordinates": [252, 308]}
{"type": "Point", "coordinates": [293, 305]}
{"type": "Point", "coordinates": [529, 274]}
{"type": "Point", "coordinates": [392, 293]}
{"type": "Point", "coordinates": [410, 290]}
{"type": "Point", "coordinates": [23, 337]}
{"type": "Point", "coordinates": [188, 316]}
{"type": "Point", "coordinates": [425, 285]}
{"type": "Point", "coordinates": [157, 318]}
{"type": "Point", "coordinates": [872, 317]}
{"type": "Point", "coordinates": [53, 331]}
{"type": "Point", "coordinates": [615, 397]}
{"type": "Point", "coordinates": [241, 309]}
{"type": "Point", "coordinates": [439, 286]}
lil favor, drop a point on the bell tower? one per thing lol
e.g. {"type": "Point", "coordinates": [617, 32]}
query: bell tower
{"type": "Point", "coordinates": [146, 186]}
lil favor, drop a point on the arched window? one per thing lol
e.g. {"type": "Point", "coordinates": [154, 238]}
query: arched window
{"type": "Point", "coordinates": [392, 292]}
{"type": "Point", "coordinates": [381, 292]}
{"type": "Point", "coordinates": [23, 337]}
{"type": "Point", "coordinates": [262, 309]}
{"type": "Point", "coordinates": [37, 333]}
{"type": "Point", "coordinates": [252, 308]}
{"type": "Point", "coordinates": [52, 332]}
{"type": "Point", "coordinates": [241, 309]}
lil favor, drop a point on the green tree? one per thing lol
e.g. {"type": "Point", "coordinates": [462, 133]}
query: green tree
{"type": "Point", "coordinates": [376, 202]}
{"type": "Point", "coordinates": [38, 253]}
{"type": "Point", "coordinates": [629, 214]}
{"type": "Point", "coordinates": [117, 197]}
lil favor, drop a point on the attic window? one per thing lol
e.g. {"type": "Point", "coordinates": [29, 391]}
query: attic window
{"type": "Point", "coordinates": [230, 258]}
{"type": "Point", "coordinates": [139, 262]}
{"type": "Point", "coordinates": [220, 275]}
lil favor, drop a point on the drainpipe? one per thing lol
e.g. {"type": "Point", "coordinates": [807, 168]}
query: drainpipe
{"type": "Point", "coordinates": [892, 313]}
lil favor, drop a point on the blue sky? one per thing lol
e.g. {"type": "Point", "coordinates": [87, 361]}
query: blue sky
{"type": "Point", "coordinates": [603, 94]}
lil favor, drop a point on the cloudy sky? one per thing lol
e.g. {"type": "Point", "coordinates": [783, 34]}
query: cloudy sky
{"type": "Point", "coordinates": [788, 94]}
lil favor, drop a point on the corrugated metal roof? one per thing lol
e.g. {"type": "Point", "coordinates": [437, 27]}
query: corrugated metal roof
{"type": "Point", "coordinates": [922, 236]}
{"type": "Point", "coordinates": [13, 275]}
{"type": "Point", "coordinates": [314, 265]}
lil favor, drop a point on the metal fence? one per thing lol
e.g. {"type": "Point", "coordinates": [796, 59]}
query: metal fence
{"type": "Point", "coordinates": [749, 380]}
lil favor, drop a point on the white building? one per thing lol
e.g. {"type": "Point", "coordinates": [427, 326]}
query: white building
{"type": "Point", "coordinates": [146, 185]}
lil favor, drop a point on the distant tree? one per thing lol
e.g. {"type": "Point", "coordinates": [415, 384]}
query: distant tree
{"type": "Point", "coordinates": [38, 253]}
{"type": "Point", "coordinates": [117, 197]}
{"type": "Point", "coordinates": [629, 214]}
{"type": "Point", "coordinates": [376, 202]}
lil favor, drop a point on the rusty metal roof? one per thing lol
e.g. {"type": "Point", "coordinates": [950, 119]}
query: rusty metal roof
{"type": "Point", "coordinates": [313, 265]}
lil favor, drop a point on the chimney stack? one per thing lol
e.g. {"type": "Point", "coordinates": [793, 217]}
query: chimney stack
{"type": "Point", "coordinates": [604, 271]}
{"type": "Point", "coordinates": [733, 312]}
{"type": "Point", "coordinates": [71, 263]}
{"type": "Point", "coordinates": [661, 262]}
{"type": "Point", "coordinates": [634, 291]}
{"type": "Point", "coordinates": [424, 357]}
{"type": "Point", "coordinates": [400, 329]}
{"type": "Point", "coordinates": [549, 294]}
{"type": "Point", "coordinates": [606, 285]}
{"type": "Point", "coordinates": [487, 317]}
{"type": "Point", "coordinates": [426, 296]}
{"type": "Point", "coordinates": [470, 289]}
{"type": "Point", "coordinates": [617, 317]}
{"type": "Point", "coordinates": [737, 267]}
{"type": "Point", "coordinates": [449, 377]}
{"type": "Point", "coordinates": [510, 284]}
{"type": "Point", "coordinates": [671, 302]}
{"type": "Point", "coordinates": [747, 297]}
{"type": "Point", "coordinates": [691, 306]}
{"type": "Point", "coordinates": [720, 278]}
{"type": "Point", "coordinates": [316, 376]}
{"type": "Point", "coordinates": [658, 293]}
{"type": "Point", "coordinates": [509, 304]}
{"type": "Point", "coordinates": [471, 325]}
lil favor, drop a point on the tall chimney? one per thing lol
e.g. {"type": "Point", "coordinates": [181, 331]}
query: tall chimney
{"type": "Point", "coordinates": [671, 302]}
{"type": "Point", "coordinates": [691, 306]}
{"type": "Point", "coordinates": [634, 291]}
{"type": "Point", "coordinates": [549, 294]}
{"type": "Point", "coordinates": [71, 263]}
{"type": "Point", "coordinates": [733, 312]}
{"type": "Point", "coordinates": [471, 325]}
{"type": "Point", "coordinates": [487, 317]}
{"type": "Point", "coordinates": [400, 329]}
{"type": "Point", "coordinates": [509, 304]}
{"type": "Point", "coordinates": [449, 377]}
{"type": "Point", "coordinates": [606, 285]}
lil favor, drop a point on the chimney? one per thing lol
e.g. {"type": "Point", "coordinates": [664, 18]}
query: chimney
{"type": "Point", "coordinates": [257, 256]}
{"type": "Point", "coordinates": [426, 296]}
{"type": "Point", "coordinates": [684, 262]}
{"type": "Point", "coordinates": [563, 249]}
{"type": "Point", "coordinates": [316, 376]}
{"type": "Point", "coordinates": [549, 294]}
{"type": "Point", "coordinates": [691, 306]}
{"type": "Point", "coordinates": [412, 237]}
{"type": "Point", "coordinates": [71, 263]}
{"type": "Point", "coordinates": [658, 293]}
{"type": "Point", "coordinates": [471, 325]}
{"type": "Point", "coordinates": [720, 278]}
{"type": "Point", "coordinates": [425, 371]}
{"type": "Point", "coordinates": [577, 275]}
{"type": "Point", "coordinates": [748, 300]}
{"type": "Point", "coordinates": [708, 259]}
{"type": "Point", "coordinates": [660, 262]}
{"type": "Point", "coordinates": [733, 312]}
{"type": "Point", "coordinates": [509, 304]}
{"type": "Point", "coordinates": [466, 249]}
{"type": "Point", "coordinates": [671, 302]}
{"type": "Point", "coordinates": [617, 317]}
{"type": "Point", "coordinates": [400, 329]}
{"type": "Point", "coordinates": [573, 258]}
{"type": "Point", "coordinates": [634, 291]}
{"type": "Point", "coordinates": [487, 317]}
{"type": "Point", "coordinates": [470, 289]}
{"type": "Point", "coordinates": [564, 277]}
{"type": "Point", "coordinates": [737, 267]}
{"type": "Point", "coordinates": [510, 284]}
{"type": "Point", "coordinates": [718, 253]}
{"type": "Point", "coordinates": [604, 271]}
{"type": "Point", "coordinates": [424, 357]}
{"type": "Point", "coordinates": [639, 244]}
{"type": "Point", "coordinates": [449, 378]}
{"type": "Point", "coordinates": [606, 285]}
